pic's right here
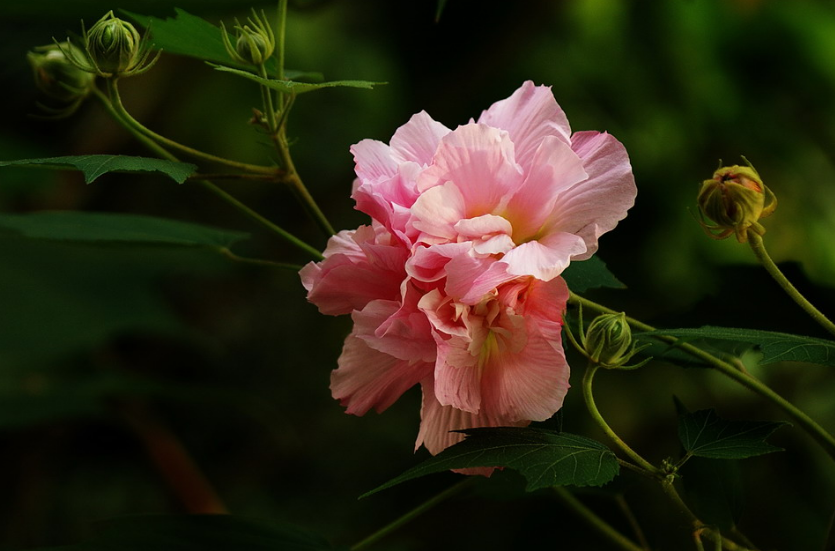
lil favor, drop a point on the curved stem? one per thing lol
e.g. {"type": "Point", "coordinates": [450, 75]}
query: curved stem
{"type": "Point", "coordinates": [588, 378]}
{"type": "Point", "coordinates": [267, 98]}
{"type": "Point", "coordinates": [137, 127]}
{"type": "Point", "coordinates": [757, 245]}
{"type": "Point", "coordinates": [165, 154]}
{"type": "Point", "coordinates": [821, 436]}
{"type": "Point", "coordinates": [596, 522]}
{"type": "Point", "coordinates": [417, 511]}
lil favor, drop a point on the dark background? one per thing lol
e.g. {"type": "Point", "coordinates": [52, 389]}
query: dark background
{"type": "Point", "coordinates": [242, 362]}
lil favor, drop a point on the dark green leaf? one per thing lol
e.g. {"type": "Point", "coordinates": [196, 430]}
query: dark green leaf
{"type": "Point", "coordinates": [94, 166]}
{"type": "Point", "coordinates": [590, 274]}
{"type": "Point", "coordinates": [544, 458]}
{"type": "Point", "coordinates": [775, 347]}
{"type": "Point", "coordinates": [705, 434]}
{"type": "Point", "coordinates": [61, 298]}
{"type": "Point", "coordinates": [117, 228]}
{"type": "Point", "coordinates": [198, 533]}
{"type": "Point", "coordinates": [713, 489]}
{"type": "Point", "coordinates": [294, 87]}
{"type": "Point", "coordinates": [192, 36]}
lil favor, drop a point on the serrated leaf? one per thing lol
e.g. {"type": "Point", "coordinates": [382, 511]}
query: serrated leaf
{"type": "Point", "coordinates": [198, 533]}
{"type": "Point", "coordinates": [117, 228]}
{"type": "Point", "coordinates": [94, 166]}
{"type": "Point", "coordinates": [705, 434]}
{"type": "Point", "coordinates": [775, 347]}
{"type": "Point", "coordinates": [295, 87]}
{"type": "Point", "coordinates": [590, 274]}
{"type": "Point", "coordinates": [544, 458]}
{"type": "Point", "coordinates": [192, 36]}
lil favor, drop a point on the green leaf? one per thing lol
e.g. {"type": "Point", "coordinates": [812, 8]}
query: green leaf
{"type": "Point", "coordinates": [117, 228]}
{"type": "Point", "coordinates": [544, 458]}
{"type": "Point", "coordinates": [94, 166]}
{"type": "Point", "coordinates": [198, 533]}
{"type": "Point", "coordinates": [294, 87]}
{"type": "Point", "coordinates": [705, 434]}
{"type": "Point", "coordinates": [713, 490]}
{"type": "Point", "coordinates": [775, 347]}
{"type": "Point", "coordinates": [590, 274]}
{"type": "Point", "coordinates": [192, 36]}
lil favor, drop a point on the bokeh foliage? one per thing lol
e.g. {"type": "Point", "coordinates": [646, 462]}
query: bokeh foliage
{"type": "Point", "coordinates": [246, 361]}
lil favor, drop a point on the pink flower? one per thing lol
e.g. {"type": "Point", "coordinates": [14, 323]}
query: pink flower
{"type": "Point", "coordinates": [456, 284]}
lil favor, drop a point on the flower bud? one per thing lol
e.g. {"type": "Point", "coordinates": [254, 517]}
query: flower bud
{"type": "Point", "coordinates": [608, 340]}
{"type": "Point", "coordinates": [255, 42]}
{"type": "Point", "coordinates": [735, 199]}
{"type": "Point", "coordinates": [114, 45]}
{"type": "Point", "coordinates": [56, 77]}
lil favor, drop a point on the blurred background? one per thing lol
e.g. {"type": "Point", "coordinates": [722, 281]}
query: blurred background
{"type": "Point", "coordinates": [237, 363]}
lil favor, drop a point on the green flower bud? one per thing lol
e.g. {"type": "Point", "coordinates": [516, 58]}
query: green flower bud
{"type": "Point", "coordinates": [608, 340]}
{"type": "Point", "coordinates": [114, 45]}
{"type": "Point", "coordinates": [56, 77]}
{"type": "Point", "coordinates": [255, 41]}
{"type": "Point", "coordinates": [735, 199]}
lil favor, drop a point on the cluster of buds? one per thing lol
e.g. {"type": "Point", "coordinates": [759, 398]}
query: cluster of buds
{"type": "Point", "coordinates": [607, 342]}
{"type": "Point", "coordinates": [112, 48]}
{"type": "Point", "coordinates": [63, 85]}
{"type": "Point", "coordinates": [735, 199]}
{"type": "Point", "coordinates": [255, 41]}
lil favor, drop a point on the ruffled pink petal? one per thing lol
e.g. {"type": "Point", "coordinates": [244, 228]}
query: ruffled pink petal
{"type": "Point", "coordinates": [418, 139]}
{"type": "Point", "coordinates": [531, 383]}
{"type": "Point", "coordinates": [555, 168]}
{"type": "Point", "coordinates": [457, 374]}
{"type": "Point", "coordinates": [436, 422]}
{"type": "Point", "coordinates": [373, 160]}
{"type": "Point", "coordinates": [428, 264]}
{"type": "Point", "coordinates": [405, 332]}
{"type": "Point", "coordinates": [544, 259]}
{"type": "Point", "coordinates": [529, 115]}
{"type": "Point", "coordinates": [469, 278]}
{"type": "Point", "coordinates": [356, 270]}
{"type": "Point", "coordinates": [368, 378]}
{"type": "Point", "coordinates": [591, 208]}
{"type": "Point", "coordinates": [479, 161]}
{"type": "Point", "coordinates": [436, 212]}
{"type": "Point", "coordinates": [489, 234]}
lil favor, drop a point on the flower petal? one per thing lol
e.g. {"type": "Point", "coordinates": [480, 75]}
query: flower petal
{"type": "Point", "coordinates": [437, 422]}
{"type": "Point", "coordinates": [367, 378]}
{"type": "Point", "coordinates": [479, 161]}
{"type": "Point", "coordinates": [544, 259]}
{"type": "Point", "coordinates": [529, 115]}
{"type": "Point", "coordinates": [555, 168]}
{"type": "Point", "coordinates": [591, 208]}
{"type": "Point", "coordinates": [418, 139]}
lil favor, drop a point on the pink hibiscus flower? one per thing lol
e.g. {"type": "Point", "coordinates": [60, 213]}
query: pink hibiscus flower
{"type": "Point", "coordinates": [456, 285]}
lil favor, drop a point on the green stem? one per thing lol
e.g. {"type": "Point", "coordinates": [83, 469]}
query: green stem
{"type": "Point", "coordinates": [821, 436]}
{"type": "Point", "coordinates": [165, 154]}
{"type": "Point", "coordinates": [137, 127]}
{"type": "Point", "coordinates": [757, 245]}
{"type": "Point", "coordinates": [267, 98]}
{"type": "Point", "coordinates": [633, 522]}
{"type": "Point", "coordinates": [588, 378]}
{"type": "Point", "coordinates": [280, 37]}
{"type": "Point", "coordinates": [260, 261]}
{"type": "Point", "coordinates": [417, 511]}
{"type": "Point", "coordinates": [262, 220]}
{"type": "Point", "coordinates": [595, 521]}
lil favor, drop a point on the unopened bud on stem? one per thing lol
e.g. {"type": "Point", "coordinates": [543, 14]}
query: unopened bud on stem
{"type": "Point", "coordinates": [255, 41]}
{"type": "Point", "coordinates": [58, 80]}
{"type": "Point", "coordinates": [735, 199]}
